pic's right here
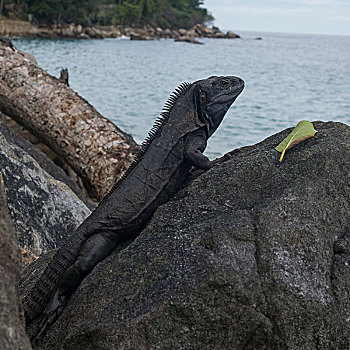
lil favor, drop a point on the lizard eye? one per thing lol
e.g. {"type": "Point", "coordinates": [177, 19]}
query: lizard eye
{"type": "Point", "coordinates": [225, 83]}
{"type": "Point", "coordinates": [203, 96]}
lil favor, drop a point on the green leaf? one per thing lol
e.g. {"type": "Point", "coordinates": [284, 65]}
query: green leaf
{"type": "Point", "coordinates": [303, 131]}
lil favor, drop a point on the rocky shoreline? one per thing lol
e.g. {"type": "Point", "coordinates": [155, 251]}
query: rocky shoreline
{"type": "Point", "coordinates": [251, 254]}
{"type": "Point", "coordinates": [73, 31]}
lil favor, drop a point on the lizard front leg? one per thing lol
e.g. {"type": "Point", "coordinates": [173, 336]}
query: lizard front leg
{"type": "Point", "coordinates": [194, 149]}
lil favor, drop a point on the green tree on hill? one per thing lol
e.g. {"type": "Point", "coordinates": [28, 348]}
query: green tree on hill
{"type": "Point", "coordinates": [61, 11]}
{"type": "Point", "coordinates": [164, 13]}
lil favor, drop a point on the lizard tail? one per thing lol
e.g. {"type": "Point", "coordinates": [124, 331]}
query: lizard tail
{"type": "Point", "coordinates": [35, 301]}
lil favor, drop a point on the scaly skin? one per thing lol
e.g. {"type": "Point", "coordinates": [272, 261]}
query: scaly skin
{"type": "Point", "coordinates": [174, 145]}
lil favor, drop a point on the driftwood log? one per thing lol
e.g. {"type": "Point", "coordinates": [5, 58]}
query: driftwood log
{"type": "Point", "coordinates": [64, 76]}
{"type": "Point", "coordinates": [97, 150]}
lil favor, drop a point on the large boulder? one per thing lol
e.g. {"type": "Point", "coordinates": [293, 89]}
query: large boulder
{"type": "Point", "coordinates": [15, 134]}
{"type": "Point", "coordinates": [43, 209]}
{"type": "Point", "coordinates": [12, 333]}
{"type": "Point", "coordinates": [252, 254]}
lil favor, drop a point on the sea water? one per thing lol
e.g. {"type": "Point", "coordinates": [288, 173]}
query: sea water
{"type": "Point", "coordinates": [289, 77]}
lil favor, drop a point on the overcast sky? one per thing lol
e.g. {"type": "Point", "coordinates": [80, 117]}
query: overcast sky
{"type": "Point", "coordinates": [293, 16]}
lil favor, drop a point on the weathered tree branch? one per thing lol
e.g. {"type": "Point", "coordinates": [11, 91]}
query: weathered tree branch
{"type": "Point", "coordinates": [92, 145]}
{"type": "Point", "coordinates": [64, 76]}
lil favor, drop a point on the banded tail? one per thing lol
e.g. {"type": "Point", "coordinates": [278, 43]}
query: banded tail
{"type": "Point", "coordinates": [35, 301]}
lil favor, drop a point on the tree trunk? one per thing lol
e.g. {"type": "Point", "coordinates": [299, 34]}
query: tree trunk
{"type": "Point", "coordinates": [1, 7]}
{"type": "Point", "coordinates": [92, 145]}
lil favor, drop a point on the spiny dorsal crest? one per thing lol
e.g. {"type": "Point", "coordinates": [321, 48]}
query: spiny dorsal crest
{"type": "Point", "coordinates": [160, 121]}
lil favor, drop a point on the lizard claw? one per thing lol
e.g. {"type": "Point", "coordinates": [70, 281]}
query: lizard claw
{"type": "Point", "coordinates": [49, 316]}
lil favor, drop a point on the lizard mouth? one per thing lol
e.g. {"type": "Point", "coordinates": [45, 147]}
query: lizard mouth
{"type": "Point", "coordinates": [228, 96]}
{"type": "Point", "coordinates": [237, 89]}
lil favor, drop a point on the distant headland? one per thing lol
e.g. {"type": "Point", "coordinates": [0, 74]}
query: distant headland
{"type": "Point", "coordinates": [90, 19]}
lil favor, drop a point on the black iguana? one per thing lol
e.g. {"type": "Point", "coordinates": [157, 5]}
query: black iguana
{"type": "Point", "coordinates": [175, 144]}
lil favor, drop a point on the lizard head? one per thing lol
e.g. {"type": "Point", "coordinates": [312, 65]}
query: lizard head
{"type": "Point", "coordinates": [213, 97]}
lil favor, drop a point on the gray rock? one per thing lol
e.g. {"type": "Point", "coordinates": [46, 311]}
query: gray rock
{"type": "Point", "coordinates": [68, 31]}
{"type": "Point", "coordinates": [12, 135]}
{"type": "Point", "coordinates": [188, 39]}
{"type": "Point", "coordinates": [83, 36]}
{"type": "Point", "coordinates": [93, 33]}
{"type": "Point", "coordinates": [167, 33]}
{"type": "Point", "coordinates": [140, 36]}
{"type": "Point", "coordinates": [78, 29]}
{"type": "Point", "coordinates": [44, 210]}
{"type": "Point", "coordinates": [219, 35]}
{"type": "Point", "coordinates": [241, 258]}
{"type": "Point", "coordinates": [232, 35]}
{"type": "Point", "coordinates": [12, 333]}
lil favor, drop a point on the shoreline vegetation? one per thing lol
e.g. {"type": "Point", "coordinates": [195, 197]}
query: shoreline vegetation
{"type": "Point", "coordinates": [182, 20]}
{"type": "Point", "coordinates": [14, 28]}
